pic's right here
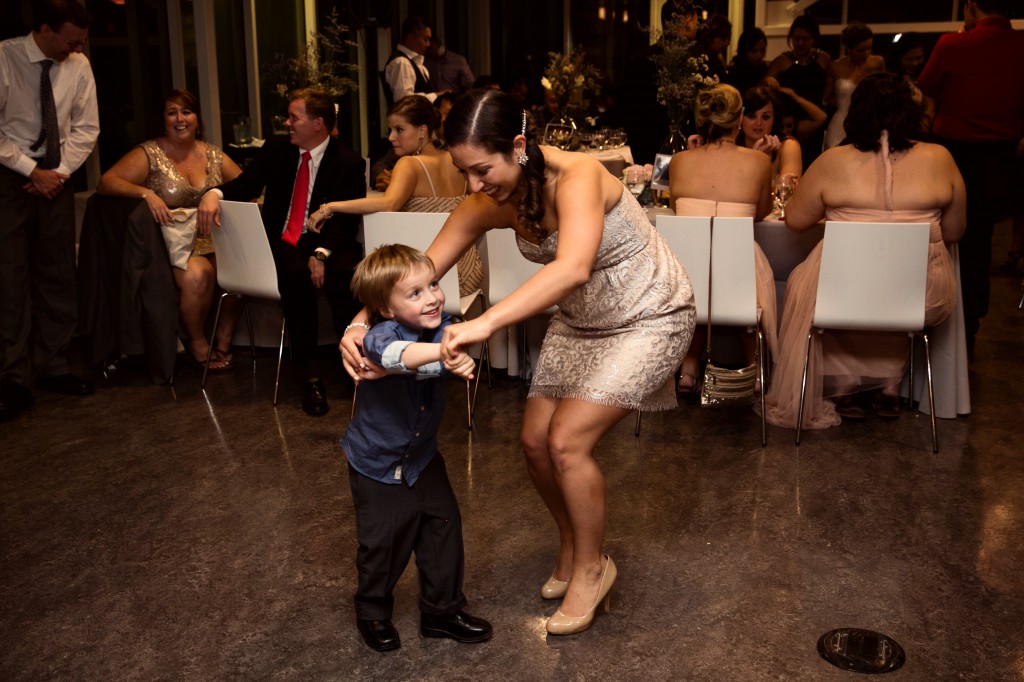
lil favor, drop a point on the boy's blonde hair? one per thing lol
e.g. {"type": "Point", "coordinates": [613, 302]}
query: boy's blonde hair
{"type": "Point", "coordinates": [377, 274]}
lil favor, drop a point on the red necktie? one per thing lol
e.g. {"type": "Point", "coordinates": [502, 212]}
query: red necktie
{"type": "Point", "coordinates": [300, 195]}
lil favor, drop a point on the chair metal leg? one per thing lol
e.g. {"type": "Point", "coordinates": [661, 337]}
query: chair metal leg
{"type": "Point", "coordinates": [209, 350]}
{"type": "Point", "coordinates": [484, 357]}
{"type": "Point", "coordinates": [910, 396]}
{"type": "Point", "coordinates": [280, 354]}
{"type": "Point", "coordinates": [803, 387]}
{"type": "Point", "coordinates": [636, 429]}
{"type": "Point", "coordinates": [764, 386]}
{"type": "Point", "coordinates": [469, 405]}
{"type": "Point", "coordinates": [931, 397]}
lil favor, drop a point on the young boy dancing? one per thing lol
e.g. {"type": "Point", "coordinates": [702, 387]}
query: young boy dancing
{"type": "Point", "coordinates": [403, 500]}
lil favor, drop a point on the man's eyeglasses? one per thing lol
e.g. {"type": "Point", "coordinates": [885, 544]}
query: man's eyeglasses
{"type": "Point", "coordinates": [76, 44]}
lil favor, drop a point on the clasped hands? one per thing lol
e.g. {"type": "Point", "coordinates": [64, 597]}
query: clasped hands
{"type": "Point", "coordinates": [317, 218]}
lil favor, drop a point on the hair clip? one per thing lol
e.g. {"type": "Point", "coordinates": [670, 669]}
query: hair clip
{"type": "Point", "coordinates": [523, 133]}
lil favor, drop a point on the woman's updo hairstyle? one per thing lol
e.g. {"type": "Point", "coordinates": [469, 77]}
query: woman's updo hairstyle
{"type": "Point", "coordinates": [417, 110]}
{"type": "Point", "coordinates": [854, 34]}
{"type": "Point", "coordinates": [491, 119]}
{"type": "Point", "coordinates": [882, 101]}
{"type": "Point", "coordinates": [718, 111]}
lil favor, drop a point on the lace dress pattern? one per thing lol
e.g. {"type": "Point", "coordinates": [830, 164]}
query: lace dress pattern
{"type": "Point", "coordinates": [618, 339]}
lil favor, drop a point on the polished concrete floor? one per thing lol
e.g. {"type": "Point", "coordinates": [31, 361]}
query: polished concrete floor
{"type": "Point", "coordinates": [158, 533]}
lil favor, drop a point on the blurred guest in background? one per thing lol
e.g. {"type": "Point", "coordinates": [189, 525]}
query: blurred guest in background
{"type": "Point", "coordinates": [449, 71]}
{"type": "Point", "coordinates": [748, 68]}
{"type": "Point", "coordinates": [846, 72]}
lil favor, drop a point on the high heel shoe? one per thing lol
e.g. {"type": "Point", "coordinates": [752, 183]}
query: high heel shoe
{"type": "Point", "coordinates": [554, 588]}
{"type": "Point", "coordinates": [561, 624]}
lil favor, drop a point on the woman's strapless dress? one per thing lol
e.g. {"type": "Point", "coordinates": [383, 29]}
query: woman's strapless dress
{"type": "Point", "coordinates": [618, 339]}
{"type": "Point", "coordinates": [835, 133]}
{"type": "Point", "coordinates": [764, 277]}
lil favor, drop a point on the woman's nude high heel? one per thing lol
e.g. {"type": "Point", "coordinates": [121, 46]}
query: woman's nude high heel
{"type": "Point", "coordinates": [561, 624]}
{"type": "Point", "coordinates": [554, 588]}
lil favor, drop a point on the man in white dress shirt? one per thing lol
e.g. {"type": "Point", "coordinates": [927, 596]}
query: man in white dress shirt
{"type": "Point", "coordinates": [48, 126]}
{"type": "Point", "coordinates": [404, 71]}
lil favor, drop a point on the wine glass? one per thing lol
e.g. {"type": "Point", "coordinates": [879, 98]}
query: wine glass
{"type": "Point", "coordinates": [783, 192]}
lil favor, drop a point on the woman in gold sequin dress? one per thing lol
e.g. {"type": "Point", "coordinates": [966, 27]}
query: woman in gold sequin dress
{"type": "Point", "coordinates": [625, 318]}
{"type": "Point", "coordinates": [171, 172]}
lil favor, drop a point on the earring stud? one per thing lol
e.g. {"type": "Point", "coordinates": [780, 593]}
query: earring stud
{"type": "Point", "coordinates": [522, 159]}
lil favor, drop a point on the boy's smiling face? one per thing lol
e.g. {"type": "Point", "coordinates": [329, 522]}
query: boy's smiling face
{"type": "Point", "coordinates": [416, 300]}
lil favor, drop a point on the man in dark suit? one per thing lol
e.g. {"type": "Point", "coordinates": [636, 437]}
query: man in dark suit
{"type": "Point", "coordinates": [309, 169]}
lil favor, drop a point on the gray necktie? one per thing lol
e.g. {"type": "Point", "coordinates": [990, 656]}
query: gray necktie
{"type": "Point", "coordinates": [49, 132]}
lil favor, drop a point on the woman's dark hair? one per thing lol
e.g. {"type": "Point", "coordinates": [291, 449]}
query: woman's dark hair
{"type": "Point", "coordinates": [718, 26]}
{"type": "Point", "coordinates": [186, 99]}
{"type": "Point", "coordinates": [491, 119]}
{"type": "Point", "coordinates": [417, 110]}
{"type": "Point", "coordinates": [882, 101]}
{"type": "Point", "coordinates": [749, 38]}
{"type": "Point", "coordinates": [854, 34]}
{"type": "Point", "coordinates": [897, 50]}
{"type": "Point", "coordinates": [754, 100]}
{"type": "Point", "coordinates": [807, 23]}
{"type": "Point", "coordinates": [718, 111]}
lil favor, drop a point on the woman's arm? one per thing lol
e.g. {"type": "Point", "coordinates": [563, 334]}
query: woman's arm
{"type": "Point", "coordinates": [790, 160]}
{"type": "Point", "coordinates": [125, 179]}
{"type": "Point", "coordinates": [816, 116]}
{"type": "Point", "coordinates": [764, 199]}
{"type": "Point", "coordinates": [675, 170]}
{"type": "Point", "coordinates": [954, 215]}
{"type": "Point", "coordinates": [401, 187]}
{"type": "Point", "coordinates": [830, 81]}
{"type": "Point", "coordinates": [778, 65]}
{"type": "Point", "coordinates": [807, 207]}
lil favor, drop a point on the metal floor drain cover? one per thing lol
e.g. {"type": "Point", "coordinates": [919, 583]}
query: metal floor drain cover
{"type": "Point", "coordinates": [861, 651]}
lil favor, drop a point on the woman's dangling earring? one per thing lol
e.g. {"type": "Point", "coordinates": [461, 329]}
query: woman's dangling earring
{"type": "Point", "coordinates": [522, 158]}
{"type": "Point", "coordinates": [420, 148]}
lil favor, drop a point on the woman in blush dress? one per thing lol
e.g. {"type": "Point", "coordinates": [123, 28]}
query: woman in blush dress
{"type": "Point", "coordinates": [881, 175]}
{"type": "Point", "coordinates": [720, 178]}
{"type": "Point", "coordinates": [625, 317]}
{"type": "Point", "coordinates": [846, 72]}
{"type": "Point", "coordinates": [423, 179]}
{"type": "Point", "coordinates": [172, 172]}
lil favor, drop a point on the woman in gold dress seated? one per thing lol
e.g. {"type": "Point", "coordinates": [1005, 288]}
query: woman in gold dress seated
{"type": "Point", "coordinates": [172, 172]}
{"type": "Point", "coordinates": [880, 175]}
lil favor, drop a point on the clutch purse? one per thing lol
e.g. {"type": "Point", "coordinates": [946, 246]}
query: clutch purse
{"type": "Point", "coordinates": [180, 236]}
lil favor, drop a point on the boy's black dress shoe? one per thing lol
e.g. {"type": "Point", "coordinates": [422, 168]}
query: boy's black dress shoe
{"type": "Point", "coordinates": [379, 635]}
{"type": "Point", "coordinates": [68, 384]}
{"type": "Point", "coordinates": [459, 626]}
{"type": "Point", "coordinates": [14, 399]}
{"type": "Point", "coordinates": [314, 398]}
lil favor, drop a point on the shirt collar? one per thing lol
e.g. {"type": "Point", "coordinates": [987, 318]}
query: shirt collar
{"type": "Point", "coordinates": [32, 50]}
{"type": "Point", "coordinates": [994, 22]}
{"type": "Point", "coordinates": [411, 54]}
{"type": "Point", "coordinates": [316, 154]}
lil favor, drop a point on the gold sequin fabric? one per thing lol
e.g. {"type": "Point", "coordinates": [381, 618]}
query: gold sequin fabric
{"type": "Point", "coordinates": [618, 339]}
{"type": "Point", "coordinates": [175, 189]}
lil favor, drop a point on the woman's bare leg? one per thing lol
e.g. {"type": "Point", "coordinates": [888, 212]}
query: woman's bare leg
{"type": "Point", "coordinates": [574, 430]}
{"type": "Point", "coordinates": [229, 312]}
{"type": "Point", "coordinates": [534, 438]}
{"type": "Point", "coordinates": [195, 284]}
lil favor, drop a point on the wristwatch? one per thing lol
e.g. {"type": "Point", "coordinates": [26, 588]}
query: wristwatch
{"type": "Point", "coordinates": [320, 255]}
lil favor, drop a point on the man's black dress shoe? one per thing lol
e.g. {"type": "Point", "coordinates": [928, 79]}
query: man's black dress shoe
{"type": "Point", "coordinates": [68, 384]}
{"type": "Point", "coordinates": [379, 635]}
{"type": "Point", "coordinates": [459, 626]}
{"type": "Point", "coordinates": [314, 398]}
{"type": "Point", "coordinates": [14, 399]}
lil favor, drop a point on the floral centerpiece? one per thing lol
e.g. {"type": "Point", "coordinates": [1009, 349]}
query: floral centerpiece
{"type": "Point", "coordinates": [569, 76]}
{"type": "Point", "coordinates": [682, 73]}
{"type": "Point", "coordinates": [322, 63]}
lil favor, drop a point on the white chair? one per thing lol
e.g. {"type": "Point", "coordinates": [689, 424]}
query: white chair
{"type": "Point", "coordinates": [690, 240]}
{"type": "Point", "coordinates": [245, 267]}
{"type": "Point", "coordinates": [418, 231]}
{"type": "Point", "coordinates": [873, 277]}
{"type": "Point", "coordinates": [505, 270]}
{"type": "Point", "coordinates": [734, 289]}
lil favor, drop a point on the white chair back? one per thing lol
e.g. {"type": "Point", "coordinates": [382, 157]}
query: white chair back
{"type": "Point", "coordinates": [418, 231]}
{"type": "Point", "coordinates": [873, 276]}
{"type": "Point", "coordinates": [505, 268]}
{"type": "Point", "coordinates": [733, 285]}
{"type": "Point", "coordinates": [690, 240]}
{"type": "Point", "coordinates": [245, 264]}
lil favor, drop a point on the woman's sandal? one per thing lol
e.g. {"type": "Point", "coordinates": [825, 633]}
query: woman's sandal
{"type": "Point", "coordinates": [847, 408]}
{"type": "Point", "coordinates": [222, 361]}
{"type": "Point", "coordinates": [886, 406]}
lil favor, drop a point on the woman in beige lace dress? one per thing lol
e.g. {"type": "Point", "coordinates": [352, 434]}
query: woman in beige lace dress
{"type": "Point", "coordinates": [625, 317]}
{"type": "Point", "coordinates": [171, 172]}
{"type": "Point", "coordinates": [423, 180]}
